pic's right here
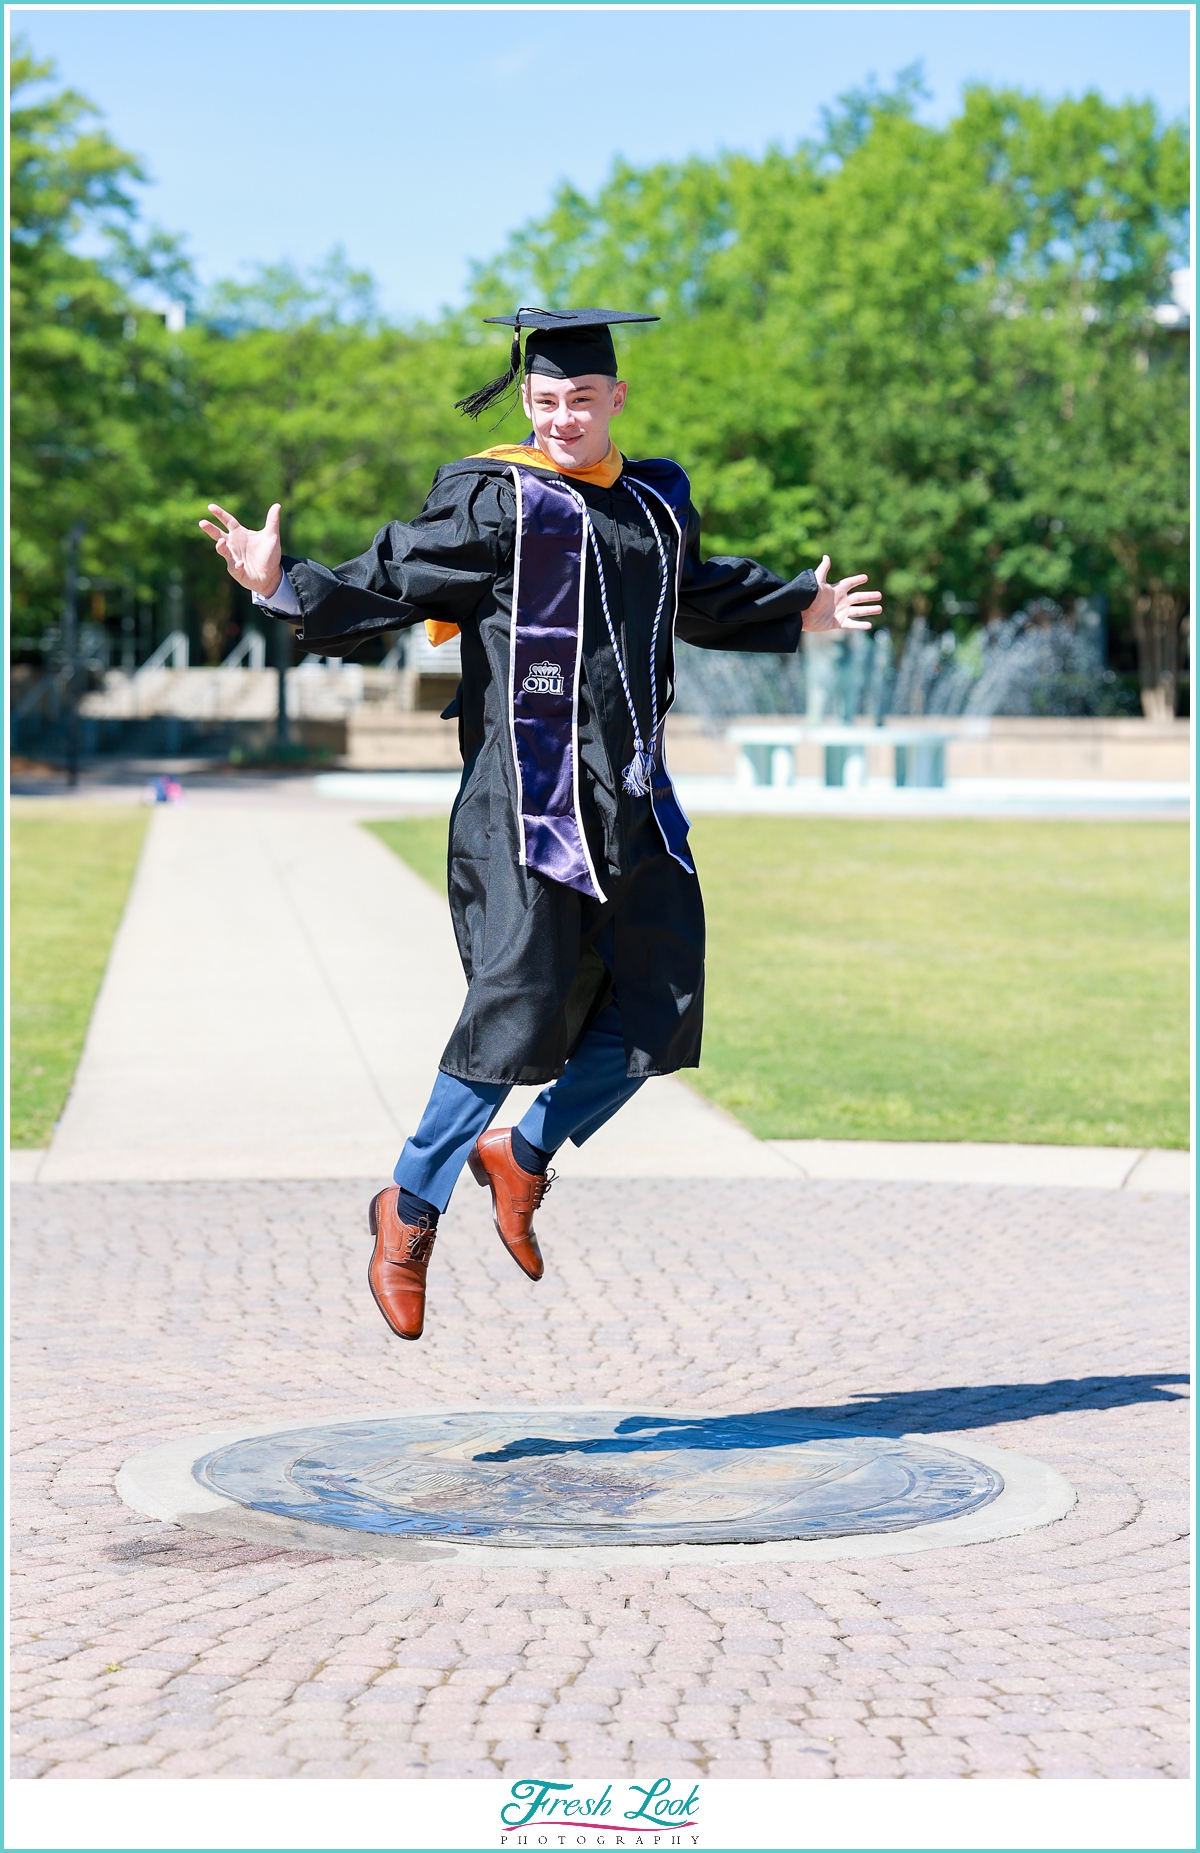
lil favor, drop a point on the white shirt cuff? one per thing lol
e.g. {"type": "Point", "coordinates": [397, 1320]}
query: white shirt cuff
{"type": "Point", "coordinates": [282, 599]}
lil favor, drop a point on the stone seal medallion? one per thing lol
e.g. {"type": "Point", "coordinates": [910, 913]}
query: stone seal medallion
{"type": "Point", "coordinates": [575, 1477]}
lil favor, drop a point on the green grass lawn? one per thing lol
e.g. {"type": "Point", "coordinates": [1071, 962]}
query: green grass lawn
{"type": "Point", "coordinates": [71, 870]}
{"type": "Point", "coordinates": [937, 980]}
{"type": "Point", "coordinates": [948, 980]}
{"type": "Point", "coordinates": [419, 841]}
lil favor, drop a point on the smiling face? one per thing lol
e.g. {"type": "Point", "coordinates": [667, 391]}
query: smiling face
{"type": "Point", "coordinates": [570, 418]}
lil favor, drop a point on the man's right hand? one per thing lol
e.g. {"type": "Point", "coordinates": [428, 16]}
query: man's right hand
{"type": "Point", "coordinates": [252, 555]}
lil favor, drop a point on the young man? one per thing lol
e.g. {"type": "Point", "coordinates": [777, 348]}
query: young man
{"type": "Point", "coordinates": [568, 571]}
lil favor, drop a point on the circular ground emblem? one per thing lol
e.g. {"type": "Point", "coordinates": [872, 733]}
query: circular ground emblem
{"type": "Point", "coordinates": [579, 1476]}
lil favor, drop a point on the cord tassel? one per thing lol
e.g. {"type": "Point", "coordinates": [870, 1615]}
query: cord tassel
{"type": "Point", "coordinates": [637, 775]}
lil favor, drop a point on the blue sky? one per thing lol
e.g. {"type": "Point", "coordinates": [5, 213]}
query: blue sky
{"type": "Point", "coordinates": [418, 139]}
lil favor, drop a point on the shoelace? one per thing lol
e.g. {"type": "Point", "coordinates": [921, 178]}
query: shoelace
{"type": "Point", "coordinates": [419, 1240]}
{"type": "Point", "coordinates": [636, 777]}
{"type": "Point", "coordinates": [542, 1186]}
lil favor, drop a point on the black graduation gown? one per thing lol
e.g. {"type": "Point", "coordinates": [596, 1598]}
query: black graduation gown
{"type": "Point", "coordinates": [542, 959]}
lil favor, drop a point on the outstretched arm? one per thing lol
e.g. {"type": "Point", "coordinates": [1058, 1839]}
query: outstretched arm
{"type": "Point", "coordinates": [729, 603]}
{"type": "Point", "coordinates": [439, 565]}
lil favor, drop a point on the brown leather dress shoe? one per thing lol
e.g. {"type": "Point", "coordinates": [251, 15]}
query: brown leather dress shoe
{"type": "Point", "coordinates": [516, 1195]}
{"type": "Point", "coordinates": [396, 1274]}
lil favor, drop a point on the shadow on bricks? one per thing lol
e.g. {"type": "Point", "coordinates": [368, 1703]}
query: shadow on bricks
{"type": "Point", "coordinates": [904, 1412]}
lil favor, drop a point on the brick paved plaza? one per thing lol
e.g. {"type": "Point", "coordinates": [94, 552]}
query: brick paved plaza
{"type": "Point", "coordinates": [1050, 1322]}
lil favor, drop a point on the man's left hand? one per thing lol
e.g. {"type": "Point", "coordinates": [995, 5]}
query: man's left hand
{"type": "Point", "coordinates": [839, 607]}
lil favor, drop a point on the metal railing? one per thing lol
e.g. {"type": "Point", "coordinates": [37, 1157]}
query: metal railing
{"type": "Point", "coordinates": [253, 647]}
{"type": "Point", "coordinates": [175, 646]}
{"type": "Point", "coordinates": [47, 690]}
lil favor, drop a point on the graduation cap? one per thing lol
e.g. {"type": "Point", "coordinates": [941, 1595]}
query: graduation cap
{"type": "Point", "coordinates": [561, 342]}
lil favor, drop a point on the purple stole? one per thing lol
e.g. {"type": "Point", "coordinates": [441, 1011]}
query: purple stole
{"type": "Point", "coordinates": [546, 660]}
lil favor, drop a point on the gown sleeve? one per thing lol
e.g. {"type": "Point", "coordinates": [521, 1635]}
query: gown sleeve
{"type": "Point", "coordinates": [733, 604]}
{"type": "Point", "coordinates": [440, 565]}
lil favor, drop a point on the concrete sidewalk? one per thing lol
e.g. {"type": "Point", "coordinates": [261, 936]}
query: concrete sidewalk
{"type": "Point", "coordinates": [278, 998]}
{"type": "Point", "coordinates": [811, 797]}
{"type": "Point", "coordinates": [279, 995]}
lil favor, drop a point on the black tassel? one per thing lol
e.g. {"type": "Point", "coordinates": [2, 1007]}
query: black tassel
{"type": "Point", "coordinates": [478, 401]}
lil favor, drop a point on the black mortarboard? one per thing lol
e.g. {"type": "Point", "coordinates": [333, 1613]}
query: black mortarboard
{"type": "Point", "coordinates": [561, 342]}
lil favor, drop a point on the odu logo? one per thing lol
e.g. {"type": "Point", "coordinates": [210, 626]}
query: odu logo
{"type": "Point", "coordinates": [544, 679]}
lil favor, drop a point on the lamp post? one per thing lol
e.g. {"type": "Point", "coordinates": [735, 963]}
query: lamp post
{"type": "Point", "coordinates": [128, 626]}
{"type": "Point", "coordinates": [175, 600]}
{"type": "Point", "coordinates": [283, 651]}
{"type": "Point", "coordinates": [70, 643]}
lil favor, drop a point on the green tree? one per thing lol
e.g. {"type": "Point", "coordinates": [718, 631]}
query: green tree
{"type": "Point", "coordinates": [1093, 433]}
{"type": "Point", "coordinates": [93, 373]}
{"type": "Point", "coordinates": [305, 396]}
{"type": "Point", "coordinates": [932, 350]}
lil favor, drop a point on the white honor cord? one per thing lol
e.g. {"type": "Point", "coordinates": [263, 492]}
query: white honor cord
{"type": "Point", "coordinates": [636, 777]}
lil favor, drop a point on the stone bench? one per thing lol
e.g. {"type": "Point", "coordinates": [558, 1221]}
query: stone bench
{"type": "Point", "coordinates": [766, 754]}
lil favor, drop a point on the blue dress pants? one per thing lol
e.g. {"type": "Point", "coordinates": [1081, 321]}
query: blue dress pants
{"type": "Point", "coordinates": [591, 1088]}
